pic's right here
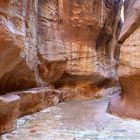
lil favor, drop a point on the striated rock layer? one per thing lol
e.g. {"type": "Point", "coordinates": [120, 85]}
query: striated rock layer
{"type": "Point", "coordinates": [90, 29]}
{"type": "Point", "coordinates": [17, 104]}
{"type": "Point", "coordinates": [18, 34]}
{"type": "Point", "coordinates": [58, 43]}
{"type": "Point", "coordinates": [68, 45]}
{"type": "Point", "coordinates": [128, 102]}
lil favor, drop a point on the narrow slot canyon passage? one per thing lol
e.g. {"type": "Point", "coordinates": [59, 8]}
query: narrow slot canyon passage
{"type": "Point", "coordinates": [69, 70]}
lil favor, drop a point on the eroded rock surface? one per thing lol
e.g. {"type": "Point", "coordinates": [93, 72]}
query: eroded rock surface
{"type": "Point", "coordinates": [8, 112]}
{"type": "Point", "coordinates": [17, 104]}
{"type": "Point", "coordinates": [61, 123]}
{"type": "Point", "coordinates": [68, 45]}
{"type": "Point", "coordinates": [128, 102]}
{"type": "Point", "coordinates": [90, 33]}
{"type": "Point", "coordinates": [18, 23]}
{"type": "Point", "coordinates": [57, 42]}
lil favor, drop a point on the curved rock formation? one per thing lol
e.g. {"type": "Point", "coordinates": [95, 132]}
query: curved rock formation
{"type": "Point", "coordinates": [128, 102]}
{"type": "Point", "coordinates": [90, 30]}
{"type": "Point", "coordinates": [17, 32]}
{"type": "Point", "coordinates": [64, 43]}
{"type": "Point", "coordinates": [70, 45]}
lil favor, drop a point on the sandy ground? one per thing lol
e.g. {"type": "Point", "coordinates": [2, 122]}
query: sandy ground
{"type": "Point", "coordinates": [75, 120]}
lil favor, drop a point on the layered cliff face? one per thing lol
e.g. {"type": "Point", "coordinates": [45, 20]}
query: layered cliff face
{"type": "Point", "coordinates": [57, 42]}
{"type": "Point", "coordinates": [127, 104]}
{"type": "Point", "coordinates": [70, 45]}
{"type": "Point", "coordinates": [89, 32]}
{"type": "Point", "coordinates": [18, 27]}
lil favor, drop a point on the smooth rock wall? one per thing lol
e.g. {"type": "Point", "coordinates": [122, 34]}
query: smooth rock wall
{"type": "Point", "coordinates": [127, 103]}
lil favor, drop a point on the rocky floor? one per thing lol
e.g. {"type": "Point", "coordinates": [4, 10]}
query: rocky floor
{"type": "Point", "coordinates": [75, 120]}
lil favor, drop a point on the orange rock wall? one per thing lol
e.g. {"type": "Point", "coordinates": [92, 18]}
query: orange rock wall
{"type": "Point", "coordinates": [128, 102]}
{"type": "Point", "coordinates": [57, 42]}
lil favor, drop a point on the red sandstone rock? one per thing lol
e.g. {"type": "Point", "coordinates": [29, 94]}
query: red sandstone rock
{"type": "Point", "coordinates": [57, 43]}
{"type": "Point", "coordinates": [51, 97]}
{"type": "Point", "coordinates": [36, 99]}
{"type": "Point", "coordinates": [77, 93]}
{"type": "Point", "coordinates": [17, 32]}
{"type": "Point", "coordinates": [127, 104]}
{"type": "Point", "coordinates": [9, 105]}
{"type": "Point", "coordinates": [63, 42]}
{"type": "Point", "coordinates": [31, 101]}
{"type": "Point", "coordinates": [17, 104]}
{"type": "Point", "coordinates": [90, 41]}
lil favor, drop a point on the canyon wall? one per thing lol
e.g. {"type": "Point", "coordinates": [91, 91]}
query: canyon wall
{"type": "Point", "coordinates": [128, 102]}
{"type": "Point", "coordinates": [18, 40]}
{"type": "Point", "coordinates": [58, 43]}
{"type": "Point", "coordinates": [68, 45]}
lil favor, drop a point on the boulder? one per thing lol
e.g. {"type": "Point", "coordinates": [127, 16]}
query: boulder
{"type": "Point", "coordinates": [18, 104]}
{"type": "Point", "coordinates": [9, 105]}
{"type": "Point", "coordinates": [36, 99]}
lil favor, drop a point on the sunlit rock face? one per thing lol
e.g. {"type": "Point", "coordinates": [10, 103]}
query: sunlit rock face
{"type": "Point", "coordinates": [18, 22]}
{"type": "Point", "coordinates": [58, 43]}
{"type": "Point", "coordinates": [128, 103]}
{"type": "Point", "coordinates": [90, 30]}
{"type": "Point", "coordinates": [51, 49]}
